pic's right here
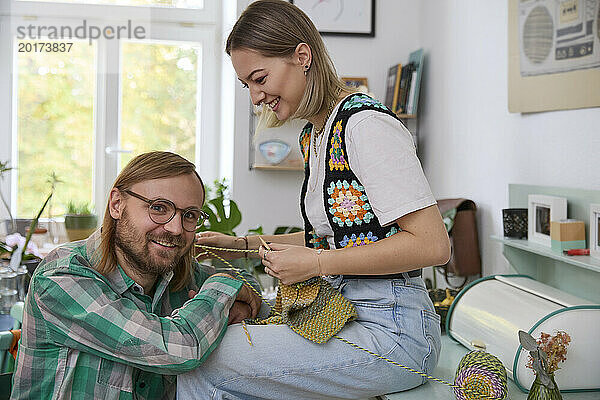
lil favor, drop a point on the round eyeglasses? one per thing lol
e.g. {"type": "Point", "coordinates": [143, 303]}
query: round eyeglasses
{"type": "Point", "coordinates": [161, 211]}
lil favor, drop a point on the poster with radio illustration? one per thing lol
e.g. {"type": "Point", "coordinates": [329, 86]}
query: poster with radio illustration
{"type": "Point", "coordinates": [558, 36]}
{"type": "Point", "coordinates": [554, 55]}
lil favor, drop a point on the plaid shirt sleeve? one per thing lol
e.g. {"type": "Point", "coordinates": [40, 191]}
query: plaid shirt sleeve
{"type": "Point", "coordinates": [81, 311]}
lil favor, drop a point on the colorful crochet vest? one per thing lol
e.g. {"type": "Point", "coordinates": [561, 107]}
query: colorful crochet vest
{"type": "Point", "coordinates": [347, 206]}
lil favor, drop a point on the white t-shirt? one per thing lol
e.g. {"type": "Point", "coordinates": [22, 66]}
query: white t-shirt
{"type": "Point", "coordinates": [381, 153]}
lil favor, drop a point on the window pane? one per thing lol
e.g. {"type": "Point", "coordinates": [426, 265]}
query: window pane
{"type": "Point", "coordinates": [158, 85]}
{"type": "Point", "coordinates": [55, 108]}
{"type": "Point", "coordinates": [159, 3]}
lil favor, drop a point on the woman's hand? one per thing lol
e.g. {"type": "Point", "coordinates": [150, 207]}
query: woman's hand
{"type": "Point", "coordinates": [216, 239]}
{"type": "Point", "coordinates": [289, 263]}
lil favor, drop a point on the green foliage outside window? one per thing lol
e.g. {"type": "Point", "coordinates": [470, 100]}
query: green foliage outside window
{"type": "Point", "coordinates": [56, 96]}
{"type": "Point", "coordinates": [55, 126]}
{"type": "Point", "coordinates": [158, 83]}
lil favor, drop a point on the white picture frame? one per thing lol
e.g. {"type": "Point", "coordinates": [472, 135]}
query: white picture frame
{"type": "Point", "coordinates": [595, 230]}
{"type": "Point", "coordinates": [542, 210]}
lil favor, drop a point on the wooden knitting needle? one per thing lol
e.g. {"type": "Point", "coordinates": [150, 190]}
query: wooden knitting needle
{"type": "Point", "coordinates": [268, 248]}
{"type": "Point", "coordinates": [264, 244]}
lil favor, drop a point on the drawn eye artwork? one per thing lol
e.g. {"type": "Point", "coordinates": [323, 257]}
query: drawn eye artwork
{"type": "Point", "coordinates": [341, 17]}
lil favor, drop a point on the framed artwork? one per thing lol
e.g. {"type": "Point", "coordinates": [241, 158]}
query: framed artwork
{"type": "Point", "coordinates": [595, 230]}
{"type": "Point", "coordinates": [341, 17]}
{"type": "Point", "coordinates": [541, 210]}
{"type": "Point", "coordinates": [553, 55]}
{"type": "Point", "coordinates": [356, 83]}
{"type": "Point", "coordinates": [275, 148]}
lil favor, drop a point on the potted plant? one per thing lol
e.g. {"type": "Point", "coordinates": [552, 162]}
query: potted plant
{"type": "Point", "coordinates": [19, 250]}
{"type": "Point", "coordinates": [19, 259]}
{"type": "Point", "coordinates": [80, 221]}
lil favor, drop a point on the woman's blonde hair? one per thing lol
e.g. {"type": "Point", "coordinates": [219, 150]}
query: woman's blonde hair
{"type": "Point", "coordinates": [274, 28]}
{"type": "Point", "coordinates": [147, 166]}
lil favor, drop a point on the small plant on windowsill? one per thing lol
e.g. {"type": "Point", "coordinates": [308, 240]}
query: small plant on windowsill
{"type": "Point", "coordinates": [80, 221]}
{"type": "Point", "coordinates": [545, 354]}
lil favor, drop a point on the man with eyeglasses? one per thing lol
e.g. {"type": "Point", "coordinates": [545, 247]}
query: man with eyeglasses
{"type": "Point", "coordinates": [120, 314]}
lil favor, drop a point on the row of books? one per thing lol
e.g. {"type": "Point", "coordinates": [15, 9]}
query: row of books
{"type": "Point", "coordinates": [403, 84]}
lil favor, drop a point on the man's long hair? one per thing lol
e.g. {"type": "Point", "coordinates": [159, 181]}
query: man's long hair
{"type": "Point", "coordinates": [147, 166]}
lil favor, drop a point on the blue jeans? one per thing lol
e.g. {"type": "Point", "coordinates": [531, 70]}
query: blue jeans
{"type": "Point", "coordinates": [396, 319]}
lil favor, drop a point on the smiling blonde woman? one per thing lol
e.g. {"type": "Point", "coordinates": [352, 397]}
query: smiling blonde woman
{"type": "Point", "coordinates": [371, 223]}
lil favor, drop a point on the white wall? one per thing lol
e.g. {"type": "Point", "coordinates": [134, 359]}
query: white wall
{"type": "Point", "coordinates": [470, 145]}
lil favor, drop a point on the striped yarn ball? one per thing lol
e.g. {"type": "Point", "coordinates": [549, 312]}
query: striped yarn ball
{"type": "Point", "coordinates": [480, 375]}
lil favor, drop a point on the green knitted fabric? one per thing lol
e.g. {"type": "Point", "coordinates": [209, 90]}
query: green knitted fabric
{"type": "Point", "coordinates": [313, 309]}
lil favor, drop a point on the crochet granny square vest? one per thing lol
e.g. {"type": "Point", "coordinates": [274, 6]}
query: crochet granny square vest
{"type": "Point", "coordinates": [347, 205]}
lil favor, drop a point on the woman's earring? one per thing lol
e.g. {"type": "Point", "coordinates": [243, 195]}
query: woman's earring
{"type": "Point", "coordinates": [306, 67]}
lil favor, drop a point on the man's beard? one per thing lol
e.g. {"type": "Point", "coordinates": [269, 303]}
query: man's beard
{"type": "Point", "coordinates": [135, 249]}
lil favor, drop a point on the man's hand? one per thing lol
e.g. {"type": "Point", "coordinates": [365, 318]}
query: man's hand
{"type": "Point", "coordinates": [239, 312]}
{"type": "Point", "coordinates": [246, 305]}
{"type": "Point", "coordinates": [250, 298]}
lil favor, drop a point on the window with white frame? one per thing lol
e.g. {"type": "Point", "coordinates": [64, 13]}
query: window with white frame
{"type": "Point", "coordinates": [91, 83]}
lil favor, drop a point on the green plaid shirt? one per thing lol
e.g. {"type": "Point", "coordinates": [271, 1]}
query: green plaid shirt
{"type": "Point", "coordinates": [89, 336]}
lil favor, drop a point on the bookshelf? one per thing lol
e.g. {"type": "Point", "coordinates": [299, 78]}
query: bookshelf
{"type": "Point", "coordinates": [402, 91]}
{"type": "Point", "coordinates": [277, 168]}
{"type": "Point", "coordinates": [406, 116]}
{"type": "Point", "coordinates": [412, 124]}
{"type": "Point", "coordinates": [403, 85]}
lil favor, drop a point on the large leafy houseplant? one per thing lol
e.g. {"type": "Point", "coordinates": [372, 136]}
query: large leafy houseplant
{"type": "Point", "coordinates": [224, 216]}
{"type": "Point", "coordinates": [223, 213]}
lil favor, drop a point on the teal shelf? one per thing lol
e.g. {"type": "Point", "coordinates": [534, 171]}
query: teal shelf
{"type": "Point", "coordinates": [577, 275]}
{"type": "Point", "coordinates": [587, 262]}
